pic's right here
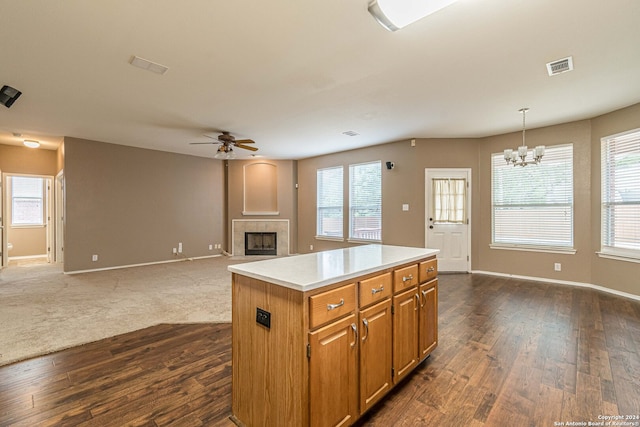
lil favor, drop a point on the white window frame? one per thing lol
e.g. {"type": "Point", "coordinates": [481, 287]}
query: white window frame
{"type": "Point", "coordinates": [320, 232]}
{"type": "Point", "coordinates": [526, 185]}
{"type": "Point", "coordinates": [16, 199]}
{"type": "Point", "coordinates": [373, 234]}
{"type": "Point", "coordinates": [627, 147]}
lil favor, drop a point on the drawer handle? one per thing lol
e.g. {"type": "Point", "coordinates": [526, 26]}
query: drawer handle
{"type": "Point", "coordinates": [407, 278]}
{"type": "Point", "coordinates": [417, 302]}
{"type": "Point", "coordinates": [430, 269]}
{"type": "Point", "coordinates": [375, 291]}
{"type": "Point", "coordinates": [333, 306]}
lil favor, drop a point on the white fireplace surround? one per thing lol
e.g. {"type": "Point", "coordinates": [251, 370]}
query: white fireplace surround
{"type": "Point", "coordinates": [240, 226]}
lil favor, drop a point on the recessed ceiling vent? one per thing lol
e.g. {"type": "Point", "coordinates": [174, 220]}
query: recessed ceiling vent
{"type": "Point", "coordinates": [560, 66]}
{"type": "Point", "coordinates": [145, 64]}
{"type": "Point", "coordinates": [350, 133]}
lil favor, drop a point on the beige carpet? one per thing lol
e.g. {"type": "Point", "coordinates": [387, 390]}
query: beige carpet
{"type": "Point", "coordinates": [43, 310]}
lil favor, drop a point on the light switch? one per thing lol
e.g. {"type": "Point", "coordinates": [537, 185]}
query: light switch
{"type": "Point", "coordinates": [405, 207]}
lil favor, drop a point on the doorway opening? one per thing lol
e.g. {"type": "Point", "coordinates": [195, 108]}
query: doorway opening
{"type": "Point", "coordinates": [28, 232]}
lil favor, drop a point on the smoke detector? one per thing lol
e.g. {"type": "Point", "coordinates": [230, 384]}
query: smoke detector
{"type": "Point", "coordinates": [560, 66]}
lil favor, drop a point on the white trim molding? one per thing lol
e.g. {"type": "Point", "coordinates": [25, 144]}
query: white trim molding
{"type": "Point", "coordinates": [561, 282]}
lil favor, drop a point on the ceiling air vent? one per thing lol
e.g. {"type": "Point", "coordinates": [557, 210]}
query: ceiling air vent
{"type": "Point", "coordinates": [350, 133]}
{"type": "Point", "coordinates": [560, 66]}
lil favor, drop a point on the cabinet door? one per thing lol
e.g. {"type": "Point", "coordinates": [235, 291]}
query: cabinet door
{"type": "Point", "coordinates": [333, 385]}
{"type": "Point", "coordinates": [405, 332]}
{"type": "Point", "coordinates": [375, 353]}
{"type": "Point", "coordinates": [428, 317]}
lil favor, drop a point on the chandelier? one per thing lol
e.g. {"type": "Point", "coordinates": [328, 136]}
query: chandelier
{"type": "Point", "coordinates": [519, 157]}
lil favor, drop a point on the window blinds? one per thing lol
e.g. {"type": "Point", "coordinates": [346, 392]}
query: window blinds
{"type": "Point", "coordinates": [27, 204]}
{"type": "Point", "coordinates": [329, 204]}
{"type": "Point", "coordinates": [620, 164]}
{"type": "Point", "coordinates": [365, 201]}
{"type": "Point", "coordinates": [532, 206]}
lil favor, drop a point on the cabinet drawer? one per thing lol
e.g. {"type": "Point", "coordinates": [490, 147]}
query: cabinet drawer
{"type": "Point", "coordinates": [405, 278]}
{"type": "Point", "coordinates": [331, 304]}
{"type": "Point", "coordinates": [428, 270]}
{"type": "Point", "coordinates": [375, 289]}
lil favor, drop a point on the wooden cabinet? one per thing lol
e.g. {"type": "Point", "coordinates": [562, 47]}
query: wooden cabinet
{"type": "Point", "coordinates": [405, 333]}
{"type": "Point", "coordinates": [327, 355]}
{"type": "Point", "coordinates": [333, 375]}
{"type": "Point", "coordinates": [428, 327]}
{"type": "Point", "coordinates": [375, 353]}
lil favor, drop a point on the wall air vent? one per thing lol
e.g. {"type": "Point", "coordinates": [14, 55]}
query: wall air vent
{"type": "Point", "coordinates": [560, 66]}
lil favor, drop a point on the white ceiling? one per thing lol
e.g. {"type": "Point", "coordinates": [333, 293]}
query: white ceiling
{"type": "Point", "coordinates": [293, 74]}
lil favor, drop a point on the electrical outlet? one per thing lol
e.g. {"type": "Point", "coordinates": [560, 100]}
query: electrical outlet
{"type": "Point", "coordinates": [310, 247]}
{"type": "Point", "coordinates": [174, 250]}
{"type": "Point", "coordinates": [94, 258]}
{"type": "Point", "coordinates": [557, 266]}
{"type": "Point", "coordinates": [180, 247]}
{"type": "Point", "coordinates": [405, 206]}
{"type": "Point", "coordinates": [210, 247]}
{"type": "Point", "coordinates": [263, 317]}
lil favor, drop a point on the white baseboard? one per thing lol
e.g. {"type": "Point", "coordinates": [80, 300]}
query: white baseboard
{"type": "Point", "coordinates": [117, 267]}
{"type": "Point", "coordinates": [562, 282]}
{"type": "Point", "coordinates": [14, 258]}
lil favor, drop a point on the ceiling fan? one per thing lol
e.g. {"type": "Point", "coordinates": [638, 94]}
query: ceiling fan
{"type": "Point", "coordinates": [227, 142]}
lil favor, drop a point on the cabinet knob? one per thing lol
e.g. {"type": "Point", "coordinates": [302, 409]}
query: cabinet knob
{"type": "Point", "coordinates": [407, 278]}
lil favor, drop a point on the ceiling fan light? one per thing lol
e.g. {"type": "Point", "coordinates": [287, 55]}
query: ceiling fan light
{"type": "Point", "coordinates": [396, 14]}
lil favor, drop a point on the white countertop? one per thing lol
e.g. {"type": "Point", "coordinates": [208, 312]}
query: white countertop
{"type": "Point", "coordinates": [314, 270]}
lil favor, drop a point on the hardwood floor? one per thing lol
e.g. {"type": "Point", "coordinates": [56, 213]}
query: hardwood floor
{"type": "Point", "coordinates": [511, 352]}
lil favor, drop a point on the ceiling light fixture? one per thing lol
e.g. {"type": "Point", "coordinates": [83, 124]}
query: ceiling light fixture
{"type": "Point", "coordinates": [31, 143]}
{"type": "Point", "coordinates": [225, 152]}
{"type": "Point", "coordinates": [511, 156]}
{"type": "Point", "coordinates": [396, 14]}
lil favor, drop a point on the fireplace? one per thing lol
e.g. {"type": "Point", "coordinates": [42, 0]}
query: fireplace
{"type": "Point", "coordinates": [260, 243]}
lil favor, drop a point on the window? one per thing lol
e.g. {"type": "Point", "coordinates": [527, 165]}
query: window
{"type": "Point", "coordinates": [27, 207]}
{"type": "Point", "coordinates": [365, 201]}
{"type": "Point", "coordinates": [449, 198]}
{"type": "Point", "coordinates": [621, 194]}
{"type": "Point", "coordinates": [329, 218]}
{"type": "Point", "coordinates": [532, 206]}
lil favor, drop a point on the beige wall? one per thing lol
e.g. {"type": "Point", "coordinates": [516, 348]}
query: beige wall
{"type": "Point", "coordinates": [29, 161]}
{"type": "Point", "coordinates": [405, 184]}
{"type": "Point", "coordinates": [23, 160]}
{"type": "Point", "coordinates": [620, 275]}
{"type": "Point", "coordinates": [131, 205]}
{"type": "Point", "coordinates": [575, 267]}
{"type": "Point", "coordinates": [286, 193]}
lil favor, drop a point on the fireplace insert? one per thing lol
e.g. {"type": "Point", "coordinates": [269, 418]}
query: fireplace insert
{"type": "Point", "coordinates": [260, 243]}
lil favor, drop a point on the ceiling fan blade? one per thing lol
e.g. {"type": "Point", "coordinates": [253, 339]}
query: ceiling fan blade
{"type": "Point", "coordinates": [246, 147]}
{"type": "Point", "coordinates": [245, 141]}
{"type": "Point", "coordinates": [209, 143]}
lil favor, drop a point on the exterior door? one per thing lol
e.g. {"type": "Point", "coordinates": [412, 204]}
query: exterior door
{"type": "Point", "coordinates": [447, 225]}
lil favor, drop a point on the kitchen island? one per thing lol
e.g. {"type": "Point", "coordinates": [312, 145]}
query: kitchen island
{"type": "Point", "coordinates": [319, 338]}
